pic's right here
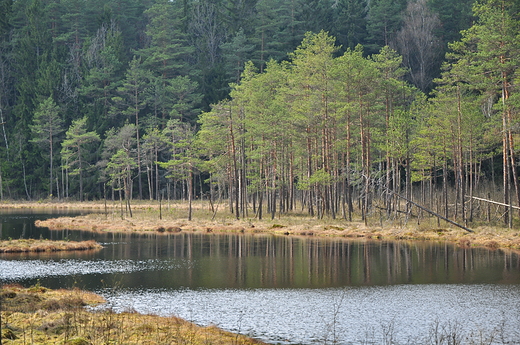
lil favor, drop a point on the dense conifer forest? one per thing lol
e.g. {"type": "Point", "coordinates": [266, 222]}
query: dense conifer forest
{"type": "Point", "coordinates": [331, 107]}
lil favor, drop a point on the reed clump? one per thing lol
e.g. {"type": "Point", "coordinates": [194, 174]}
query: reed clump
{"type": "Point", "coordinates": [38, 315]}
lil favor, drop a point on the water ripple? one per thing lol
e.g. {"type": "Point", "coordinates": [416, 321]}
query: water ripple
{"type": "Point", "coordinates": [403, 314]}
{"type": "Point", "coordinates": [31, 269]}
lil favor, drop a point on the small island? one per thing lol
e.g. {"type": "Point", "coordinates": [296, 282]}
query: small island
{"type": "Point", "coordinates": [36, 246]}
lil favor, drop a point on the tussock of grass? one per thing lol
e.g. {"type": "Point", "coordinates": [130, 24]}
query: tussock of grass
{"type": "Point", "coordinates": [41, 316]}
{"type": "Point", "coordinates": [31, 245]}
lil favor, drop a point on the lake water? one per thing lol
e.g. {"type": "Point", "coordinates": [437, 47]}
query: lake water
{"type": "Point", "coordinates": [288, 290]}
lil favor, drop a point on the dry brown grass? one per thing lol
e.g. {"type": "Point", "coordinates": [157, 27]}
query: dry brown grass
{"type": "Point", "coordinates": [31, 245]}
{"type": "Point", "coordinates": [174, 219]}
{"type": "Point", "coordinates": [41, 316]}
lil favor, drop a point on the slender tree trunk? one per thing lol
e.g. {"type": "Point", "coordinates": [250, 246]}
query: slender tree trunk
{"type": "Point", "coordinates": [120, 198]}
{"type": "Point", "coordinates": [51, 163]}
{"type": "Point", "coordinates": [309, 171]}
{"type": "Point", "coordinates": [461, 182]}
{"type": "Point", "coordinates": [235, 183]}
{"type": "Point", "coordinates": [1, 199]}
{"type": "Point", "coordinates": [273, 187]}
{"type": "Point", "coordinates": [128, 191]}
{"type": "Point", "coordinates": [348, 189]}
{"type": "Point", "coordinates": [80, 174]}
{"type": "Point", "coordinates": [471, 178]}
{"type": "Point", "coordinates": [139, 171]}
{"type": "Point", "coordinates": [505, 152]}
{"type": "Point", "coordinates": [149, 174]}
{"type": "Point", "coordinates": [513, 164]}
{"type": "Point", "coordinates": [261, 189]}
{"type": "Point", "coordinates": [157, 189]}
{"type": "Point", "coordinates": [291, 181]}
{"type": "Point", "coordinates": [445, 187]}
{"type": "Point", "coordinates": [190, 193]}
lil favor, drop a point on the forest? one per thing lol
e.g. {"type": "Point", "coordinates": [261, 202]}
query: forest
{"type": "Point", "coordinates": [333, 108]}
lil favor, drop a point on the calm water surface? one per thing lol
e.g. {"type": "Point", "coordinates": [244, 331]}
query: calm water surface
{"type": "Point", "coordinates": [287, 290]}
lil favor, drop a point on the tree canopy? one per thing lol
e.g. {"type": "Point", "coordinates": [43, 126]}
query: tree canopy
{"type": "Point", "coordinates": [330, 105]}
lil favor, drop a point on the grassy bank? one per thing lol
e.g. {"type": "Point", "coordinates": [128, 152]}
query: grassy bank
{"type": "Point", "coordinates": [170, 217]}
{"type": "Point", "coordinates": [38, 315]}
{"type": "Point", "coordinates": [30, 245]}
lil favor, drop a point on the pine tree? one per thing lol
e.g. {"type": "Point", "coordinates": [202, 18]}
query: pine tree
{"type": "Point", "coordinates": [237, 15]}
{"type": "Point", "coordinates": [455, 16]}
{"type": "Point", "coordinates": [47, 125]}
{"type": "Point", "coordinates": [133, 98]}
{"type": "Point", "coordinates": [119, 169]}
{"type": "Point", "coordinates": [312, 94]}
{"type": "Point", "coordinates": [155, 143]}
{"type": "Point", "coordinates": [184, 157]}
{"type": "Point", "coordinates": [358, 105]}
{"type": "Point", "coordinates": [76, 151]}
{"type": "Point", "coordinates": [5, 15]}
{"type": "Point", "coordinates": [120, 172]}
{"type": "Point", "coordinates": [487, 59]}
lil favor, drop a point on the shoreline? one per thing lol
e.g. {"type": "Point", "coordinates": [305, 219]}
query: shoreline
{"type": "Point", "coordinates": [146, 220]}
{"type": "Point", "coordinates": [147, 217]}
{"type": "Point", "coordinates": [482, 238]}
{"type": "Point", "coordinates": [38, 315]}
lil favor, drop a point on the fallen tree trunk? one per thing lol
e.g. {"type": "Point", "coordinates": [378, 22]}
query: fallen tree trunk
{"type": "Point", "coordinates": [431, 212]}
{"type": "Point", "coordinates": [495, 202]}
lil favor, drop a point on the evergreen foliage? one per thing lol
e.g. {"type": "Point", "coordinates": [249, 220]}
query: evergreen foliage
{"type": "Point", "coordinates": [325, 104]}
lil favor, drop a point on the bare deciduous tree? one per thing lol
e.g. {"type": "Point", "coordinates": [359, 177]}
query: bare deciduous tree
{"type": "Point", "coordinates": [206, 30]}
{"type": "Point", "coordinates": [417, 43]}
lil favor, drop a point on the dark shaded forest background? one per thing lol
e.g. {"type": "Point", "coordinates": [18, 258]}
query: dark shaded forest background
{"type": "Point", "coordinates": [327, 106]}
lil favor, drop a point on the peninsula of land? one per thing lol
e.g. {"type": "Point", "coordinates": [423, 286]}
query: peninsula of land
{"type": "Point", "coordinates": [172, 218]}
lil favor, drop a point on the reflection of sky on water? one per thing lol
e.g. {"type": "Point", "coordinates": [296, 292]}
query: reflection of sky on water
{"type": "Point", "coordinates": [408, 313]}
{"type": "Point", "coordinates": [33, 269]}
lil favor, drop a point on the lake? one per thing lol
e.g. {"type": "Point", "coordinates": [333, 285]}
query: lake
{"type": "Point", "coordinates": [287, 290]}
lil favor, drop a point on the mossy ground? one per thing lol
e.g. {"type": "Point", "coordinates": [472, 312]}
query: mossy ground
{"type": "Point", "coordinates": [38, 315]}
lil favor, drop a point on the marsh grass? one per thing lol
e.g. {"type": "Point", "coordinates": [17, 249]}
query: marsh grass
{"type": "Point", "coordinates": [32, 245]}
{"type": "Point", "coordinates": [173, 218]}
{"type": "Point", "coordinates": [438, 333]}
{"type": "Point", "coordinates": [41, 316]}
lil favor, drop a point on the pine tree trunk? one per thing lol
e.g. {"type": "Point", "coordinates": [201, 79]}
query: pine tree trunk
{"type": "Point", "coordinates": [190, 193]}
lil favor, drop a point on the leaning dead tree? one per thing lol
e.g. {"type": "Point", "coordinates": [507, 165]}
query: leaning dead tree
{"type": "Point", "coordinates": [494, 202]}
{"type": "Point", "coordinates": [429, 211]}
